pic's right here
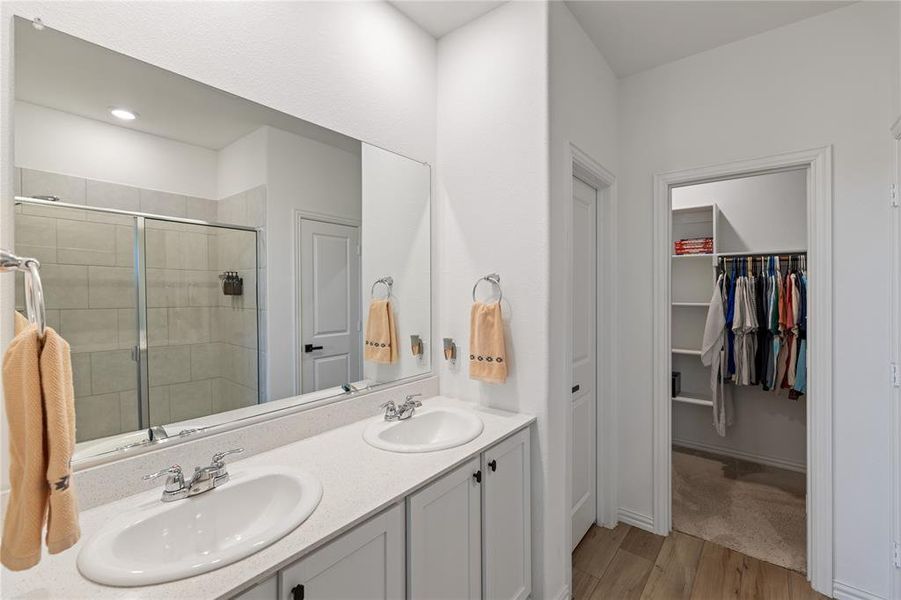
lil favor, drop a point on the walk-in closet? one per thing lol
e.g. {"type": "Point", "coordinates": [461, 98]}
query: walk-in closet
{"type": "Point", "coordinates": [739, 361]}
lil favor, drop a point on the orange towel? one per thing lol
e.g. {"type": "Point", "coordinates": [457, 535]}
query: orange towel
{"type": "Point", "coordinates": [487, 351]}
{"type": "Point", "coordinates": [40, 411]}
{"type": "Point", "coordinates": [380, 345]}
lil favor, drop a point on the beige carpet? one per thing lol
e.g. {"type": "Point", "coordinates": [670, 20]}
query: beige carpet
{"type": "Point", "coordinates": [754, 509]}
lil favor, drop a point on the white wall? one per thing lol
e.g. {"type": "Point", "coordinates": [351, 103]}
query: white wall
{"type": "Point", "coordinates": [242, 164]}
{"type": "Point", "coordinates": [60, 142]}
{"type": "Point", "coordinates": [360, 68]}
{"type": "Point", "coordinates": [301, 174]}
{"type": "Point", "coordinates": [396, 242]}
{"type": "Point", "coordinates": [492, 179]}
{"type": "Point", "coordinates": [583, 112]}
{"type": "Point", "coordinates": [762, 213]}
{"type": "Point", "coordinates": [831, 79]}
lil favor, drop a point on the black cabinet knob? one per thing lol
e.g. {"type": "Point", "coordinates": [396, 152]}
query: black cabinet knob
{"type": "Point", "coordinates": [297, 592]}
{"type": "Point", "coordinates": [492, 464]}
{"type": "Point", "coordinates": [477, 476]}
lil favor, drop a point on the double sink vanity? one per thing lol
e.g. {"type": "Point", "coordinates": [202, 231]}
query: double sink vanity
{"type": "Point", "coordinates": [423, 501]}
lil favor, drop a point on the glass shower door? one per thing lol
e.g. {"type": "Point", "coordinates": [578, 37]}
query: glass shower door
{"type": "Point", "coordinates": [90, 287]}
{"type": "Point", "coordinates": [201, 320]}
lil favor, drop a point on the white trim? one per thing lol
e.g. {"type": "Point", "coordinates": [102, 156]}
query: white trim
{"type": "Point", "coordinates": [582, 165]}
{"type": "Point", "coordinates": [763, 459]}
{"type": "Point", "coordinates": [635, 519]}
{"type": "Point", "coordinates": [818, 162]}
{"type": "Point", "coordinates": [895, 393]}
{"type": "Point", "coordinates": [845, 591]}
{"type": "Point", "coordinates": [564, 594]}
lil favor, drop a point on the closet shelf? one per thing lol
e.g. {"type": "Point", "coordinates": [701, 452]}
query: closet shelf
{"type": "Point", "coordinates": [696, 304]}
{"type": "Point", "coordinates": [693, 255]}
{"type": "Point", "coordinates": [692, 400]}
{"type": "Point", "coordinates": [686, 351]}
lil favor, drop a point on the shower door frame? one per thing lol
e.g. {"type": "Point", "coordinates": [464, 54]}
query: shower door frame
{"type": "Point", "coordinates": [140, 351]}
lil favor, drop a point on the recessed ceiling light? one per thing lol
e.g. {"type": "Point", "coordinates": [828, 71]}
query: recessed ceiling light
{"type": "Point", "coordinates": [123, 113]}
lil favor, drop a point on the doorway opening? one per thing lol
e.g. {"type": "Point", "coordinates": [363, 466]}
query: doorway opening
{"type": "Point", "coordinates": [746, 251]}
{"type": "Point", "coordinates": [739, 363]}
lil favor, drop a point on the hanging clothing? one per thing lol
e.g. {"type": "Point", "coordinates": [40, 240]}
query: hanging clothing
{"type": "Point", "coordinates": [712, 351]}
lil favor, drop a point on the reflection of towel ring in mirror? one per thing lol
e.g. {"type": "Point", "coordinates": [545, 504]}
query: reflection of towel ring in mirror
{"type": "Point", "coordinates": [493, 278]}
{"type": "Point", "coordinates": [388, 282]}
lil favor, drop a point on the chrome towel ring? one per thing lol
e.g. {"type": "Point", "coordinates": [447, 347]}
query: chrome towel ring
{"type": "Point", "coordinates": [492, 278]}
{"type": "Point", "coordinates": [34, 291]}
{"type": "Point", "coordinates": [388, 282]}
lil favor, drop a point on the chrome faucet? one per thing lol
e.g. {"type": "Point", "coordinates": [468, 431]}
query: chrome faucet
{"type": "Point", "coordinates": [203, 480]}
{"type": "Point", "coordinates": [405, 410]}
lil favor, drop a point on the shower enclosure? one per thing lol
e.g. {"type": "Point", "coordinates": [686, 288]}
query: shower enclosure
{"type": "Point", "coordinates": [161, 313]}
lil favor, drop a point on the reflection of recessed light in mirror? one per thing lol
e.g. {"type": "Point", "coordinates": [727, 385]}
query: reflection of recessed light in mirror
{"type": "Point", "coordinates": [123, 113]}
{"type": "Point", "coordinates": [37, 23]}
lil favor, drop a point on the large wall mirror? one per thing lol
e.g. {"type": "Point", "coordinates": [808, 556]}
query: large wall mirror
{"type": "Point", "coordinates": [208, 259]}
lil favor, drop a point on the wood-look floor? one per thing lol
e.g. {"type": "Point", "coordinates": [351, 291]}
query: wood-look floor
{"type": "Point", "coordinates": [628, 563]}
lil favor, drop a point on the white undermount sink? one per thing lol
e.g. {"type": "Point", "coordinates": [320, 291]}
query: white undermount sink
{"type": "Point", "coordinates": [429, 429]}
{"type": "Point", "coordinates": [173, 540]}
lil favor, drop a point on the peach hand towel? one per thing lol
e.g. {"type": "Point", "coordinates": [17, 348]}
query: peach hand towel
{"type": "Point", "coordinates": [59, 421]}
{"type": "Point", "coordinates": [40, 408]}
{"type": "Point", "coordinates": [27, 505]}
{"type": "Point", "coordinates": [487, 351]}
{"type": "Point", "coordinates": [380, 345]}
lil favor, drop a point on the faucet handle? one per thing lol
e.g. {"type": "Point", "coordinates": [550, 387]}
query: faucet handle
{"type": "Point", "coordinates": [410, 399]}
{"type": "Point", "coordinates": [175, 480]}
{"type": "Point", "coordinates": [217, 458]}
{"type": "Point", "coordinates": [388, 404]}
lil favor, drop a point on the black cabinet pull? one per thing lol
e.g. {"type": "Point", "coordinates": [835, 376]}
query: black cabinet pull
{"type": "Point", "coordinates": [477, 476]}
{"type": "Point", "coordinates": [492, 464]}
{"type": "Point", "coordinates": [576, 388]}
{"type": "Point", "coordinates": [297, 592]}
{"type": "Point", "coordinates": [311, 347]}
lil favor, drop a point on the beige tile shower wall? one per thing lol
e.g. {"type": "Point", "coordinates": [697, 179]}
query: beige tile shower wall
{"type": "Point", "coordinates": [87, 267]}
{"type": "Point", "coordinates": [235, 319]}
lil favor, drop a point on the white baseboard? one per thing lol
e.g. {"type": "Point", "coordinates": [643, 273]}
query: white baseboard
{"type": "Point", "coordinates": [773, 461]}
{"type": "Point", "coordinates": [844, 591]}
{"type": "Point", "coordinates": [564, 594]}
{"type": "Point", "coordinates": [635, 519]}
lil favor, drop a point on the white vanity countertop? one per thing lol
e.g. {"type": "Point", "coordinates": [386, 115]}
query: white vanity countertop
{"type": "Point", "coordinates": [358, 481]}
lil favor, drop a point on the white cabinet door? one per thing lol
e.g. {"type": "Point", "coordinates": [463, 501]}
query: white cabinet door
{"type": "Point", "coordinates": [365, 563]}
{"type": "Point", "coordinates": [265, 590]}
{"type": "Point", "coordinates": [444, 531]}
{"type": "Point", "coordinates": [507, 520]}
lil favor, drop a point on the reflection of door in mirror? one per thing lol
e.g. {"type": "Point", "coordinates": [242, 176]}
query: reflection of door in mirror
{"type": "Point", "coordinates": [330, 327]}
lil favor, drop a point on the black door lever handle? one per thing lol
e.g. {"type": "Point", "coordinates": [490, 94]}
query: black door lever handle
{"type": "Point", "coordinates": [311, 347]}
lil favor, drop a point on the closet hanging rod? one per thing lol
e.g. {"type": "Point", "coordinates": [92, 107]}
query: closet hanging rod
{"type": "Point", "coordinates": [768, 253]}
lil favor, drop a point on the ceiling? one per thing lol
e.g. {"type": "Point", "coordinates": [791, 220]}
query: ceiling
{"type": "Point", "coordinates": [439, 17]}
{"type": "Point", "coordinates": [637, 35]}
{"type": "Point", "coordinates": [63, 72]}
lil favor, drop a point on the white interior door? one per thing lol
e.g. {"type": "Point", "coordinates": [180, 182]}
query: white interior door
{"type": "Point", "coordinates": [330, 325]}
{"type": "Point", "coordinates": [584, 359]}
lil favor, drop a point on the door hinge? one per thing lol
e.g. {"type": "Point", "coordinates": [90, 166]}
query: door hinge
{"type": "Point", "coordinates": [894, 196]}
{"type": "Point", "coordinates": [896, 555]}
{"type": "Point", "coordinates": [135, 353]}
{"type": "Point", "coordinates": [359, 252]}
{"type": "Point", "coordinates": [896, 375]}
